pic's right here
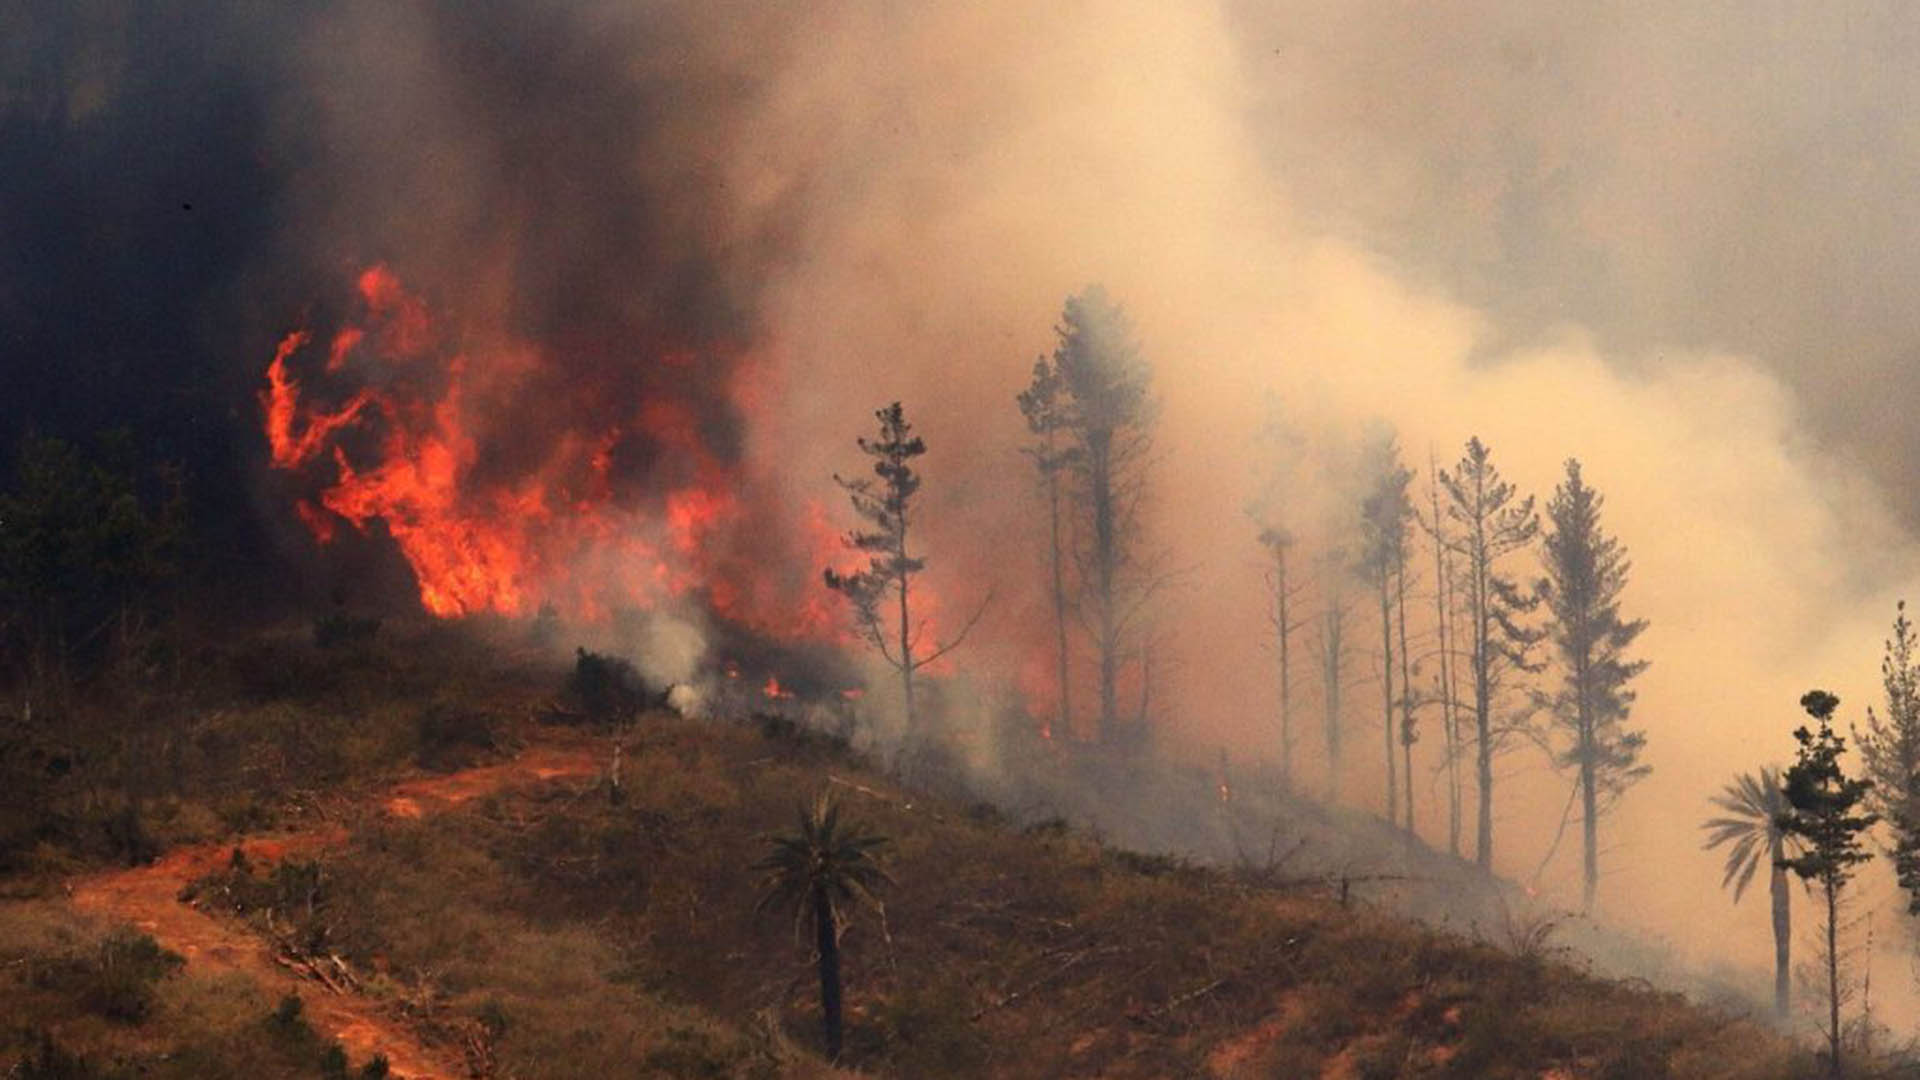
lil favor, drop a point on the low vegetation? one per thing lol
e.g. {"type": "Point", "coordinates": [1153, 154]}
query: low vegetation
{"type": "Point", "coordinates": [551, 930]}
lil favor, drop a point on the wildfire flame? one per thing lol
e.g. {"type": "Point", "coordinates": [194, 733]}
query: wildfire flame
{"type": "Point", "coordinates": [398, 433]}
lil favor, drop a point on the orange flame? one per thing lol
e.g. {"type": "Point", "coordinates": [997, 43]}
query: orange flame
{"type": "Point", "coordinates": [406, 447]}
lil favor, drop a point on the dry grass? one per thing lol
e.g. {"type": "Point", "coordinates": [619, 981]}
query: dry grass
{"type": "Point", "coordinates": [554, 933]}
{"type": "Point", "coordinates": [609, 934]}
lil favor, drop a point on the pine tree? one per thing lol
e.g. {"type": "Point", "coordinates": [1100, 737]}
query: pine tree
{"type": "Point", "coordinates": [1890, 755]}
{"type": "Point", "coordinates": [1586, 572]}
{"type": "Point", "coordinates": [887, 506]}
{"type": "Point", "coordinates": [1823, 815]}
{"type": "Point", "coordinates": [1493, 522]}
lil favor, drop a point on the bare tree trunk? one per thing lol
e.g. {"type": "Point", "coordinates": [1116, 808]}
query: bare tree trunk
{"type": "Point", "coordinates": [1443, 621]}
{"type": "Point", "coordinates": [1782, 932]}
{"type": "Point", "coordinates": [1406, 696]}
{"type": "Point", "coordinates": [1833, 981]}
{"type": "Point", "coordinates": [1588, 747]}
{"type": "Point", "coordinates": [1285, 630]}
{"type": "Point", "coordinates": [1332, 632]}
{"type": "Point", "coordinates": [827, 941]}
{"type": "Point", "coordinates": [1060, 602]}
{"type": "Point", "coordinates": [906, 642]}
{"type": "Point", "coordinates": [1482, 703]}
{"type": "Point", "coordinates": [1590, 808]}
{"type": "Point", "coordinates": [1386, 695]}
{"type": "Point", "coordinates": [1099, 453]}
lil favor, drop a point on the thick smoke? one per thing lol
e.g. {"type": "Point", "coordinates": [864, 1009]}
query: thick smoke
{"type": "Point", "coordinates": [1666, 243]}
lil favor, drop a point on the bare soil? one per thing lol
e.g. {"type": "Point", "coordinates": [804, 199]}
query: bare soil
{"type": "Point", "coordinates": [149, 898]}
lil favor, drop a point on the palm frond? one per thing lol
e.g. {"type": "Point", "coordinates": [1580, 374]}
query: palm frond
{"type": "Point", "coordinates": [1753, 801]}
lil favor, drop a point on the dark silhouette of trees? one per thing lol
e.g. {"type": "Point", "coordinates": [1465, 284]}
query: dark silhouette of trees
{"type": "Point", "coordinates": [1386, 515]}
{"type": "Point", "coordinates": [87, 539]}
{"type": "Point", "coordinates": [1111, 412]}
{"type": "Point", "coordinates": [1493, 522]}
{"type": "Point", "coordinates": [1755, 804]}
{"type": "Point", "coordinates": [1824, 815]}
{"type": "Point", "coordinates": [820, 869]}
{"type": "Point", "coordinates": [1890, 755]}
{"type": "Point", "coordinates": [1046, 406]}
{"type": "Point", "coordinates": [1586, 570]}
{"type": "Point", "coordinates": [887, 506]}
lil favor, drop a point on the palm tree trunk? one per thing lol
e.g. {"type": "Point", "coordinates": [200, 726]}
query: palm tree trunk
{"type": "Point", "coordinates": [829, 947]}
{"type": "Point", "coordinates": [1782, 936]}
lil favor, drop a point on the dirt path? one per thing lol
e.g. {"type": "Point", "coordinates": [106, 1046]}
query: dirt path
{"type": "Point", "coordinates": [148, 897]}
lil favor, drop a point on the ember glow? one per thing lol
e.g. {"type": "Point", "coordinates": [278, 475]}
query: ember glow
{"type": "Point", "coordinates": [387, 424]}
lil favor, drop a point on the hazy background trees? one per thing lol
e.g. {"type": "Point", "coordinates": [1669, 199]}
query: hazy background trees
{"type": "Point", "coordinates": [1385, 526]}
{"type": "Point", "coordinates": [1434, 524]}
{"type": "Point", "coordinates": [1108, 416]}
{"type": "Point", "coordinates": [1889, 747]}
{"type": "Point", "coordinates": [1047, 409]}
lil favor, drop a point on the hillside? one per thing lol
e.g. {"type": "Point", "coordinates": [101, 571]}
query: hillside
{"type": "Point", "coordinates": [468, 899]}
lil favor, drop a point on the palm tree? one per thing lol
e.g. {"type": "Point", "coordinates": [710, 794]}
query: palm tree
{"type": "Point", "coordinates": [1754, 803]}
{"type": "Point", "coordinates": [818, 869]}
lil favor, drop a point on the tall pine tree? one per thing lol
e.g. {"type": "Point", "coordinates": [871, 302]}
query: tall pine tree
{"type": "Point", "coordinates": [885, 501]}
{"type": "Point", "coordinates": [1890, 754]}
{"type": "Point", "coordinates": [1825, 817]}
{"type": "Point", "coordinates": [1491, 522]}
{"type": "Point", "coordinates": [1586, 570]}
